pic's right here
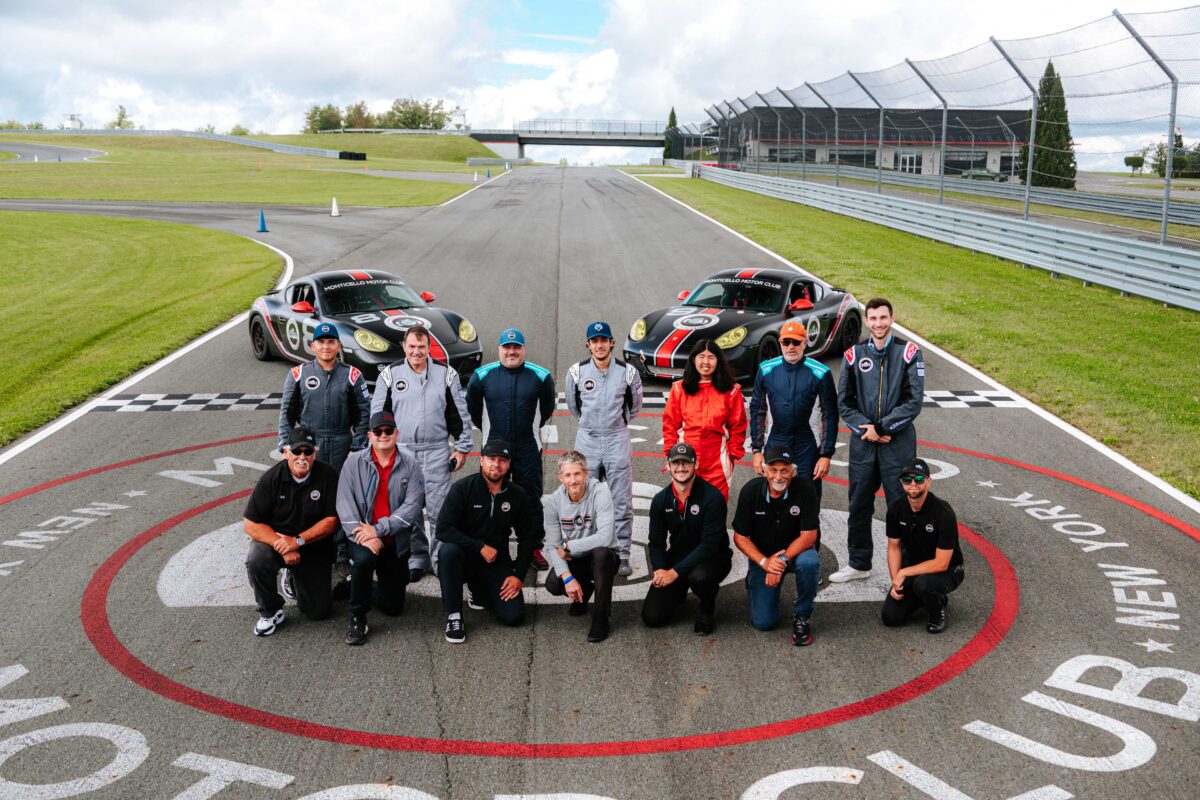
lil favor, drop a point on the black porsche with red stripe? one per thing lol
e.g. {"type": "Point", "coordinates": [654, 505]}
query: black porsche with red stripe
{"type": "Point", "coordinates": [742, 310]}
{"type": "Point", "coordinates": [371, 309]}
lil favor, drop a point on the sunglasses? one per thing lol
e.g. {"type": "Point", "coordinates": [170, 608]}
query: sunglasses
{"type": "Point", "coordinates": [384, 430]}
{"type": "Point", "coordinates": [791, 342]}
{"type": "Point", "coordinates": [907, 479]}
{"type": "Point", "coordinates": [303, 451]}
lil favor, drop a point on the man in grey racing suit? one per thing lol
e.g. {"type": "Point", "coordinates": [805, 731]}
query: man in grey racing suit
{"type": "Point", "coordinates": [426, 398]}
{"type": "Point", "coordinates": [604, 394]}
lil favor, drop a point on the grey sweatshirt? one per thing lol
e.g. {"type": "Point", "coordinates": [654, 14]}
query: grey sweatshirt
{"type": "Point", "coordinates": [587, 525]}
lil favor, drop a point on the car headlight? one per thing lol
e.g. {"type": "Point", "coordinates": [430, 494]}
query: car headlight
{"type": "Point", "coordinates": [466, 331]}
{"type": "Point", "coordinates": [638, 331]}
{"type": "Point", "coordinates": [369, 341]}
{"type": "Point", "coordinates": [731, 339]}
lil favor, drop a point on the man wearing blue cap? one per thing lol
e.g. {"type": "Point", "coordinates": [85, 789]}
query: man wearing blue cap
{"type": "Point", "coordinates": [604, 394]}
{"type": "Point", "coordinates": [511, 399]}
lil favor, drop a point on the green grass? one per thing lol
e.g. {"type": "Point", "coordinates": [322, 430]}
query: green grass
{"type": "Point", "coordinates": [6, 156]}
{"type": "Point", "coordinates": [414, 153]}
{"type": "Point", "coordinates": [1122, 369]}
{"type": "Point", "coordinates": [91, 300]}
{"type": "Point", "coordinates": [651, 169]}
{"type": "Point", "coordinates": [176, 169]}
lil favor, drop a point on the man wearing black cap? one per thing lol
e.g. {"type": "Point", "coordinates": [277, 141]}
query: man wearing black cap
{"type": "Point", "coordinates": [775, 527]}
{"type": "Point", "coordinates": [379, 500]}
{"type": "Point", "coordinates": [480, 513]}
{"type": "Point", "coordinates": [924, 559]}
{"type": "Point", "coordinates": [688, 544]}
{"type": "Point", "coordinates": [290, 519]}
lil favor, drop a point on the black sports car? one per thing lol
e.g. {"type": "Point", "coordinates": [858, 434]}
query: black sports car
{"type": "Point", "coordinates": [371, 310]}
{"type": "Point", "coordinates": [743, 310]}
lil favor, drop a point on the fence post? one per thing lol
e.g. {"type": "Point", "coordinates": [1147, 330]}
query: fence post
{"type": "Point", "coordinates": [837, 165]}
{"type": "Point", "coordinates": [1032, 143]}
{"type": "Point", "coordinates": [945, 112]}
{"type": "Point", "coordinates": [879, 158]}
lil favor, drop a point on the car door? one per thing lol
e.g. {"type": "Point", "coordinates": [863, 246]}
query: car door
{"type": "Point", "coordinates": [817, 323]}
{"type": "Point", "coordinates": [295, 328]}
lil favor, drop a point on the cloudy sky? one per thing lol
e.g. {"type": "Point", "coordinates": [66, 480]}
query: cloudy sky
{"type": "Point", "coordinates": [262, 63]}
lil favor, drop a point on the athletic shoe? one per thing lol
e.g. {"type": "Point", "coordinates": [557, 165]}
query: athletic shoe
{"type": "Point", "coordinates": [626, 569]}
{"type": "Point", "coordinates": [287, 583]}
{"type": "Point", "coordinates": [937, 620]}
{"type": "Point", "coordinates": [599, 630]}
{"type": "Point", "coordinates": [342, 567]}
{"type": "Point", "coordinates": [456, 631]}
{"type": "Point", "coordinates": [539, 560]}
{"type": "Point", "coordinates": [577, 609]}
{"type": "Point", "coordinates": [356, 634]}
{"type": "Point", "coordinates": [704, 624]}
{"type": "Point", "coordinates": [415, 574]}
{"type": "Point", "coordinates": [474, 602]}
{"type": "Point", "coordinates": [267, 625]}
{"type": "Point", "coordinates": [848, 573]}
{"type": "Point", "coordinates": [801, 632]}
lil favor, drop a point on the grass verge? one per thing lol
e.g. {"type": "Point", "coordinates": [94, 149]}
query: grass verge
{"type": "Point", "coordinates": [176, 169]}
{"type": "Point", "coordinates": [1122, 369]}
{"type": "Point", "coordinates": [93, 299]}
{"type": "Point", "coordinates": [411, 153]}
{"type": "Point", "coordinates": [652, 169]}
{"type": "Point", "coordinates": [6, 156]}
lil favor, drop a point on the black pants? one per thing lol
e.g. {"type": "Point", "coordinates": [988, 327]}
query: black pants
{"type": "Point", "coordinates": [704, 580]}
{"type": "Point", "coordinates": [595, 572]}
{"type": "Point", "coordinates": [389, 568]}
{"type": "Point", "coordinates": [873, 466]}
{"type": "Point", "coordinates": [921, 591]}
{"type": "Point", "coordinates": [314, 593]}
{"type": "Point", "coordinates": [458, 565]}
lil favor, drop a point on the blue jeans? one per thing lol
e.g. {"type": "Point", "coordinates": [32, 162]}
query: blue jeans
{"type": "Point", "coordinates": [764, 600]}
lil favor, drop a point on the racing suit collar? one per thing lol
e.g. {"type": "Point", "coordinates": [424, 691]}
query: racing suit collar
{"type": "Point", "coordinates": [886, 344]}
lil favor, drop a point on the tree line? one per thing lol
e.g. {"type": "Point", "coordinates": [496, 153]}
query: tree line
{"type": "Point", "coordinates": [1185, 164]}
{"type": "Point", "coordinates": [405, 113]}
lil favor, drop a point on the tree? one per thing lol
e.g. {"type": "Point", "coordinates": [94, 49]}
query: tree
{"type": "Point", "coordinates": [322, 118]}
{"type": "Point", "coordinates": [1053, 153]}
{"type": "Point", "coordinates": [357, 116]}
{"type": "Point", "coordinates": [122, 122]}
{"type": "Point", "coordinates": [17, 125]}
{"type": "Point", "coordinates": [239, 130]}
{"type": "Point", "coordinates": [672, 123]}
{"type": "Point", "coordinates": [1158, 159]}
{"type": "Point", "coordinates": [1135, 163]}
{"type": "Point", "coordinates": [410, 114]}
{"type": "Point", "coordinates": [209, 128]}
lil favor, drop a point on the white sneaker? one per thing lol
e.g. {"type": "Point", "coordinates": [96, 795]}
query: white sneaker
{"type": "Point", "coordinates": [267, 625]}
{"type": "Point", "coordinates": [848, 573]}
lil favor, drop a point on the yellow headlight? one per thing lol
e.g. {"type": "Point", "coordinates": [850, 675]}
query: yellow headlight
{"type": "Point", "coordinates": [638, 331]}
{"type": "Point", "coordinates": [466, 331]}
{"type": "Point", "coordinates": [369, 341]}
{"type": "Point", "coordinates": [730, 340]}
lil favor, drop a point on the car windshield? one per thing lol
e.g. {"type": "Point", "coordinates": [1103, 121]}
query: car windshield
{"type": "Point", "coordinates": [751, 294]}
{"type": "Point", "coordinates": [376, 294]}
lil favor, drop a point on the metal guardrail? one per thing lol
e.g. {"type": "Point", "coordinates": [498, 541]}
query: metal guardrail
{"type": "Point", "coordinates": [290, 149]}
{"type": "Point", "coordinates": [1168, 274]}
{"type": "Point", "coordinates": [1182, 213]}
{"type": "Point", "coordinates": [596, 127]}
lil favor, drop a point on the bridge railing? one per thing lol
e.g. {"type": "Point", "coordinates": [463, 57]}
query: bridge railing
{"type": "Point", "coordinates": [595, 127]}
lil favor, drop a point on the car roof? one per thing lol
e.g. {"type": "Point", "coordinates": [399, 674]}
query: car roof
{"type": "Point", "coordinates": [344, 275]}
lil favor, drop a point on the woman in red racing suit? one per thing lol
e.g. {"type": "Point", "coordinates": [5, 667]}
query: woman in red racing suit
{"type": "Point", "coordinates": [705, 409]}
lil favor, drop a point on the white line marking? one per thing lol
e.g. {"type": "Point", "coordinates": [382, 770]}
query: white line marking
{"type": "Point", "coordinates": [1061, 424]}
{"type": "Point", "coordinates": [62, 422]}
{"type": "Point", "coordinates": [473, 188]}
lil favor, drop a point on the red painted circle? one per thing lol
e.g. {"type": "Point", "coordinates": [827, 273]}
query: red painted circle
{"type": "Point", "coordinates": [94, 612]}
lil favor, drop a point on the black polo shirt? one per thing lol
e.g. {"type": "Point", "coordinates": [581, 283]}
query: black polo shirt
{"type": "Point", "coordinates": [934, 527]}
{"type": "Point", "coordinates": [291, 508]}
{"type": "Point", "coordinates": [773, 524]}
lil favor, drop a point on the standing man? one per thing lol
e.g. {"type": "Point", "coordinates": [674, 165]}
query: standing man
{"type": "Point", "coordinates": [880, 393]}
{"type": "Point", "coordinates": [480, 513]}
{"type": "Point", "coordinates": [290, 518]}
{"type": "Point", "coordinates": [581, 542]}
{"type": "Point", "coordinates": [379, 500]}
{"type": "Point", "coordinates": [775, 527]}
{"type": "Point", "coordinates": [426, 398]}
{"type": "Point", "coordinates": [786, 389]}
{"type": "Point", "coordinates": [924, 559]}
{"type": "Point", "coordinates": [604, 394]}
{"type": "Point", "coordinates": [689, 547]}
{"type": "Point", "coordinates": [511, 399]}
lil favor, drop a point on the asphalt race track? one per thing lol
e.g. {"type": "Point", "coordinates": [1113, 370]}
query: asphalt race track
{"type": "Point", "coordinates": [128, 667]}
{"type": "Point", "coordinates": [34, 153]}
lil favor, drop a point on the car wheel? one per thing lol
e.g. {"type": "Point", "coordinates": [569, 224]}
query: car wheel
{"type": "Point", "coordinates": [851, 329]}
{"type": "Point", "coordinates": [768, 348]}
{"type": "Point", "coordinates": [259, 341]}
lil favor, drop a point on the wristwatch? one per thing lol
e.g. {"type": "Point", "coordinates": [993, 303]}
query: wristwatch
{"type": "Point", "coordinates": [299, 541]}
{"type": "Point", "coordinates": [782, 557]}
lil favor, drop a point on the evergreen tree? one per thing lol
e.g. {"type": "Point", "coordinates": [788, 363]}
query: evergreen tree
{"type": "Point", "coordinates": [1053, 155]}
{"type": "Point", "coordinates": [122, 122]}
{"type": "Point", "coordinates": [672, 123]}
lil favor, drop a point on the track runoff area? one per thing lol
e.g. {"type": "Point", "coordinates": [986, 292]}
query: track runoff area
{"type": "Point", "coordinates": [128, 666]}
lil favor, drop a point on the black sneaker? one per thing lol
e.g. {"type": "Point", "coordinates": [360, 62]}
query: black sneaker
{"type": "Point", "coordinates": [474, 602]}
{"type": "Point", "coordinates": [578, 609]}
{"type": "Point", "coordinates": [801, 632]}
{"type": "Point", "coordinates": [415, 574]}
{"type": "Point", "coordinates": [937, 619]}
{"type": "Point", "coordinates": [599, 630]}
{"type": "Point", "coordinates": [539, 561]}
{"type": "Point", "coordinates": [704, 624]}
{"type": "Point", "coordinates": [456, 631]}
{"type": "Point", "coordinates": [356, 634]}
{"type": "Point", "coordinates": [342, 567]}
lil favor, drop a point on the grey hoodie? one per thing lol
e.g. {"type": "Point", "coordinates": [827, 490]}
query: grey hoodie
{"type": "Point", "coordinates": [587, 525]}
{"type": "Point", "coordinates": [406, 496]}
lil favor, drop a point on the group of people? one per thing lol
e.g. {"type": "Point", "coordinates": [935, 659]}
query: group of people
{"type": "Point", "coordinates": [365, 484]}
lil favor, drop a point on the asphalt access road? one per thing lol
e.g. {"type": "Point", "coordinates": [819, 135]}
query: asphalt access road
{"type": "Point", "coordinates": [128, 613]}
{"type": "Point", "coordinates": [31, 153]}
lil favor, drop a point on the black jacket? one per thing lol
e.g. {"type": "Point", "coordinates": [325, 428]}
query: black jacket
{"type": "Point", "coordinates": [681, 542]}
{"type": "Point", "coordinates": [884, 389]}
{"type": "Point", "coordinates": [472, 517]}
{"type": "Point", "coordinates": [511, 404]}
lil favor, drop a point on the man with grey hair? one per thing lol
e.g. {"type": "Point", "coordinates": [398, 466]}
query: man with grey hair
{"type": "Point", "coordinates": [580, 542]}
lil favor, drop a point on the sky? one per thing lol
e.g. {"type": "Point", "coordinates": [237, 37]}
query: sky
{"type": "Point", "coordinates": [263, 63]}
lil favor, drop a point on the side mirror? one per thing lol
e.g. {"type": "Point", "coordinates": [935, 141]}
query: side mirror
{"type": "Point", "coordinates": [683, 295]}
{"type": "Point", "coordinates": [800, 305]}
{"type": "Point", "coordinates": [303, 307]}
{"type": "Point", "coordinates": [428, 297]}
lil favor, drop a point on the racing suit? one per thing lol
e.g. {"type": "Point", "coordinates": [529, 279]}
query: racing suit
{"type": "Point", "coordinates": [513, 405]}
{"type": "Point", "coordinates": [604, 401]}
{"type": "Point", "coordinates": [711, 422]}
{"type": "Point", "coordinates": [884, 388]}
{"type": "Point", "coordinates": [788, 392]}
{"type": "Point", "coordinates": [430, 410]}
{"type": "Point", "coordinates": [335, 405]}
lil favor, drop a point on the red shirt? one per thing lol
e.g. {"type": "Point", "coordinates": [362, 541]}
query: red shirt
{"type": "Point", "coordinates": [382, 508]}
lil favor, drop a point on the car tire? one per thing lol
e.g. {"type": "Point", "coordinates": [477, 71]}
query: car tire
{"type": "Point", "coordinates": [768, 348]}
{"type": "Point", "coordinates": [260, 343]}
{"type": "Point", "coordinates": [849, 334]}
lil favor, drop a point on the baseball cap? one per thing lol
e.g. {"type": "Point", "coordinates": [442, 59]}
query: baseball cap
{"type": "Point", "coordinates": [777, 453]}
{"type": "Point", "coordinates": [793, 329]}
{"type": "Point", "coordinates": [300, 436]}
{"type": "Point", "coordinates": [915, 467]}
{"type": "Point", "coordinates": [497, 447]}
{"type": "Point", "coordinates": [682, 452]}
{"type": "Point", "coordinates": [599, 330]}
{"type": "Point", "coordinates": [325, 330]}
{"type": "Point", "coordinates": [511, 336]}
{"type": "Point", "coordinates": [381, 418]}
